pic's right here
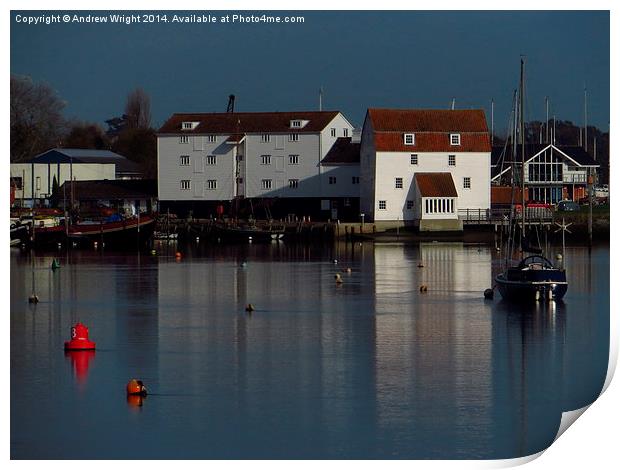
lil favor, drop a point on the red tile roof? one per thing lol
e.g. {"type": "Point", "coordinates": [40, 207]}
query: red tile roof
{"type": "Point", "coordinates": [232, 123]}
{"type": "Point", "coordinates": [343, 152]}
{"type": "Point", "coordinates": [428, 120]}
{"type": "Point", "coordinates": [432, 129]}
{"type": "Point", "coordinates": [504, 195]}
{"type": "Point", "coordinates": [436, 185]}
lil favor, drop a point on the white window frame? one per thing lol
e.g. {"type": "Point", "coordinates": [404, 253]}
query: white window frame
{"type": "Point", "coordinates": [332, 180]}
{"type": "Point", "coordinates": [185, 160]}
{"type": "Point", "coordinates": [266, 184]}
{"type": "Point", "coordinates": [186, 185]}
{"type": "Point", "coordinates": [451, 160]}
{"type": "Point", "coordinates": [382, 203]}
{"type": "Point", "coordinates": [187, 125]}
{"type": "Point", "coordinates": [294, 137]}
{"type": "Point", "coordinates": [406, 137]}
{"type": "Point", "coordinates": [455, 139]}
{"type": "Point", "coordinates": [265, 159]}
{"type": "Point", "coordinates": [414, 159]}
{"type": "Point", "coordinates": [293, 183]}
{"type": "Point", "coordinates": [211, 185]}
{"type": "Point", "coordinates": [293, 159]}
{"type": "Point", "coordinates": [296, 124]}
{"type": "Point", "coordinates": [333, 132]}
{"type": "Point", "coordinates": [211, 138]}
{"type": "Point", "coordinates": [184, 139]}
{"type": "Point", "coordinates": [211, 160]}
{"type": "Point", "coordinates": [466, 182]}
{"type": "Point", "coordinates": [345, 132]}
{"type": "Point", "coordinates": [265, 138]}
{"type": "Point", "coordinates": [398, 182]}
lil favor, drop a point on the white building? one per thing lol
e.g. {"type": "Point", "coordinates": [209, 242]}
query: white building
{"type": "Point", "coordinates": [34, 179]}
{"type": "Point", "coordinates": [207, 160]}
{"type": "Point", "coordinates": [398, 144]}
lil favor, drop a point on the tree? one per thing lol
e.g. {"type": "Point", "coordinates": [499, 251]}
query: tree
{"type": "Point", "coordinates": [86, 136]}
{"type": "Point", "coordinates": [36, 118]}
{"type": "Point", "coordinates": [140, 146]}
{"type": "Point", "coordinates": [138, 110]}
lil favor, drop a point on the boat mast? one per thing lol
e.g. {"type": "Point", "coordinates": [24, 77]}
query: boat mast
{"type": "Point", "coordinates": [522, 131]}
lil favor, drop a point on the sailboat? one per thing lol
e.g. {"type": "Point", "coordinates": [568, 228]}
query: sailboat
{"type": "Point", "coordinates": [534, 278]}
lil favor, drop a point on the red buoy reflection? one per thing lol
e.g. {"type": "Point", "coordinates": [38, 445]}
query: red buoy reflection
{"type": "Point", "coordinates": [80, 362]}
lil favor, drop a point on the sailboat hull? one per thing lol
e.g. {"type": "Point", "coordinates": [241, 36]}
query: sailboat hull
{"type": "Point", "coordinates": [534, 286]}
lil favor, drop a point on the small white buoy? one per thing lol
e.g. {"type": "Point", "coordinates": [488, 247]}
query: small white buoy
{"type": "Point", "coordinates": [197, 239]}
{"type": "Point", "coordinates": [335, 261]}
{"type": "Point", "coordinates": [33, 299]}
{"type": "Point", "coordinates": [338, 278]}
{"type": "Point", "coordinates": [349, 270]}
{"type": "Point", "coordinates": [249, 308]}
{"type": "Point", "coordinates": [244, 264]}
{"type": "Point", "coordinates": [558, 256]}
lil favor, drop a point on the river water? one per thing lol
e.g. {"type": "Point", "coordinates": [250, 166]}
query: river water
{"type": "Point", "coordinates": [370, 368]}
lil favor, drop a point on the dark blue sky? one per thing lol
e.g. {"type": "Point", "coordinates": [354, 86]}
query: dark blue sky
{"type": "Point", "coordinates": [362, 59]}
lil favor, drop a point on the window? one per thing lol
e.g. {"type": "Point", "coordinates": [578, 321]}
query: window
{"type": "Point", "coordinates": [38, 183]}
{"type": "Point", "coordinates": [293, 184]}
{"type": "Point", "coordinates": [184, 160]}
{"type": "Point", "coordinates": [382, 205]}
{"type": "Point", "coordinates": [355, 180]}
{"type": "Point", "coordinates": [296, 123]}
{"type": "Point", "coordinates": [187, 125]}
{"type": "Point", "coordinates": [345, 132]}
{"type": "Point", "coordinates": [466, 182]}
{"type": "Point", "coordinates": [451, 160]}
{"type": "Point", "coordinates": [293, 159]}
{"type": "Point", "coordinates": [398, 183]}
{"type": "Point", "coordinates": [186, 184]}
{"type": "Point", "coordinates": [239, 180]}
{"type": "Point", "coordinates": [427, 206]}
{"type": "Point", "coordinates": [266, 184]}
{"type": "Point", "coordinates": [409, 139]}
{"type": "Point", "coordinates": [211, 160]}
{"type": "Point", "coordinates": [333, 132]}
{"type": "Point", "coordinates": [211, 138]}
{"type": "Point", "coordinates": [265, 159]}
{"type": "Point", "coordinates": [332, 180]}
{"type": "Point", "coordinates": [211, 184]}
{"type": "Point", "coordinates": [184, 139]}
{"type": "Point", "coordinates": [409, 205]}
{"type": "Point", "coordinates": [293, 137]}
{"type": "Point", "coordinates": [414, 159]}
{"type": "Point", "coordinates": [452, 205]}
{"type": "Point", "coordinates": [455, 139]}
{"type": "Point", "coordinates": [265, 138]}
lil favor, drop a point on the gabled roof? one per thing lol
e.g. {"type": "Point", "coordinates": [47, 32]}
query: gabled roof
{"type": "Point", "coordinates": [61, 155]}
{"type": "Point", "coordinates": [571, 152]}
{"type": "Point", "coordinates": [432, 129]}
{"type": "Point", "coordinates": [234, 123]}
{"type": "Point", "coordinates": [428, 120]}
{"type": "Point", "coordinates": [343, 152]}
{"type": "Point", "coordinates": [435, 185]}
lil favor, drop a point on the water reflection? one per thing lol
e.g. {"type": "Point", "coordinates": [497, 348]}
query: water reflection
{"type": "Point", "coordinates": [369, 369]}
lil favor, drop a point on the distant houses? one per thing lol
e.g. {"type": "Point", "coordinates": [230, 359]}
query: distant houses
{"type": "Point", "coordinates": [552, 172]}
{"type": "Point", "coordinates": [33, 180]}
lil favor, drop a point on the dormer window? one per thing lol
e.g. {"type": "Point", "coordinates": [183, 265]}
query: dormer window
{"type": "Point", "coordinates": [296, 124]}
{"type": "Point", "coordinates": [455, 139]}
{"type": "Point", "coordinates": [188, 125]}
{"type": "Point", "coordinates": [409, 139]}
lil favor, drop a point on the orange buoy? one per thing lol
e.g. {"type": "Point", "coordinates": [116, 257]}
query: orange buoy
{"type": "Point", "coordinates": [136, 387]}
{"type": "Point", "coordinates": [79, 338]}
{"type": "Point", "coordinates": [423, 288]}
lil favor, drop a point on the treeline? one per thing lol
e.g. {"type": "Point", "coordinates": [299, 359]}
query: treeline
{"type": "Point", "coordinates": [38, 124]}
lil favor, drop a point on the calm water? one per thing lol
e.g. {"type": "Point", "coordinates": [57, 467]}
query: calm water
{"type": "Point", "coordinates": [369, 369]}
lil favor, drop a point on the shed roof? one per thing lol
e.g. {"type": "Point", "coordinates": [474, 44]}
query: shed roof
{"type": "Point", "coordinates": [343, 152]}
{"type": "Point", "coordinates": [62, 155]}
{"type": "Point", "coordinates": [436, 185]}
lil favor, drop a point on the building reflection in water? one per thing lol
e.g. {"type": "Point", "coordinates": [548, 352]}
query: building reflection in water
{"type": "Point", "coordinates": [433, 349]}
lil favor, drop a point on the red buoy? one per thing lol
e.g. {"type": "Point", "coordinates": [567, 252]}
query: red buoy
{"type": "Point", "coordinates": [136, 387]}
{"type": "Point", "coordinates": [79, 338]}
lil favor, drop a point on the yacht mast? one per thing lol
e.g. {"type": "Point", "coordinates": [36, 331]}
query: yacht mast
{"type": "Point", "coordinates": [522, 131]}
